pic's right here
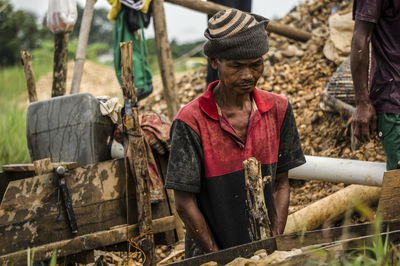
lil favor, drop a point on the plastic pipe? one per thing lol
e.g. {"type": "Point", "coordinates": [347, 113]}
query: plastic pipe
{"type": "Point", "coordinates": [340, 171]}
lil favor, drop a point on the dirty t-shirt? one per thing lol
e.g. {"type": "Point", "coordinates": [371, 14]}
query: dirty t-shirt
{"type": "Point", "coordinates": [385, 70]}
{"type": "Point", "coordinates": [206, 159]}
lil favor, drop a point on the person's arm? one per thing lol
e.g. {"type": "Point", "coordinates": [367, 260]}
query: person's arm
{"type": "Point", "coordinates": [196, 225]}
{"type": "Point", "coordinates": [281, 202]}
{"type": "Point", "coordinates": [364, 117]}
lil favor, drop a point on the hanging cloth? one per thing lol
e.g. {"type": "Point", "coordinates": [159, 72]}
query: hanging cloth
{"type": "Point", "coordinates": [135, 4]}
{"type": "Point", "coordinates": [141, 71]}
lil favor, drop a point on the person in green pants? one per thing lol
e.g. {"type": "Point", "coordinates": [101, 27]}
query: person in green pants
{"type": "Point", "coordinates": [377, 22]}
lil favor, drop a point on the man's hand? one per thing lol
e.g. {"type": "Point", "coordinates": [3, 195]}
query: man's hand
{"type": "Point", "coordinates": [364, 121]}
{"type": "Point", "coordinates": [196, 225]}
{"type": "Point", "coordinates": [364, 118]}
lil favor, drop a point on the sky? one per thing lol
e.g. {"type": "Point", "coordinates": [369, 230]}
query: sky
{"type": "Point", "coordinates": [183, 25]}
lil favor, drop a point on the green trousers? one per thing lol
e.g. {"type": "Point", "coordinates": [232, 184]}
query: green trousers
{"type": "Point", "coordinates": [389, 133]}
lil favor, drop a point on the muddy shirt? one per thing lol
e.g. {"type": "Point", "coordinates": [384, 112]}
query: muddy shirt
{"type": "Point", "coordinates": [385, 70]}
{"type": "Point", "coordinates": [206, 159]}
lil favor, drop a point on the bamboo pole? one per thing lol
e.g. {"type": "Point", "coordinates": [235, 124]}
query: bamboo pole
{"type": "Point", "coordinates": [260, 224]}
{"type": "Point", "coordinates": [60, 64]}
{"type": "Point", "coordinates": [26, 60]}
{"type": "Point", "coordinates": [136, 152]}
{"type": "Point", "coordinates": [165, 58]}
{"type": "Point", "coordinates": [211, 8]}
{"type": "Point", "coordinates": [315, 214]}
{"type": "Point", "coordinates": [82, 45]}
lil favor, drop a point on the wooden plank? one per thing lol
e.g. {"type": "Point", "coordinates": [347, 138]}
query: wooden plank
{"type": "Point", "coordinates": [356, 236]}
{"type": "Point", "coordinates": [135, 149]}
{"type": "Point", "coordinates": [389, 202]}
{"type": "Point", "coordinates": [26, 60]}
{"type": "Point", "coordinates": [28, 211]}
{"type": "Point", "coordinates": [337, 249]}
{"type": "Point", "coordinates": [165, 58]}
{"type": "Point", "coordinates": [224, 256]}
{"type": "Point", "coordinates": [30, 167]}
{"type": "Point", "coordinates": [86, 242]}
{"type": "Point", "coordinates": [43, 166]}
{"type": "Point", "coordinates": [211, 8]}
{"type": "Point", "coordinates": [7, 177]}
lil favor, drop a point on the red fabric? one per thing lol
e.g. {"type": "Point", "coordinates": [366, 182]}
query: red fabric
{"type": "Point", "coordinates": [155, 129]}
{"type": "Point", "coordinates": [223, 150]}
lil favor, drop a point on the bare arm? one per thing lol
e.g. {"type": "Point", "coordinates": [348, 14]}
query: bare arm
{"type": "Point", "coordinates": [281, 202]}
{"type": "Point", "coordinates": [364, 118]}
{"type": "Point", "coordinates": [196, 225]}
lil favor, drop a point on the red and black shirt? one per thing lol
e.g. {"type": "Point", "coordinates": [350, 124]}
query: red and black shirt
{"type": "Point", "coordinates": [206, 159]}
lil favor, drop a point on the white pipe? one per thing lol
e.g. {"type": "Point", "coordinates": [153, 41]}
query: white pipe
{"type": "Point", "coordinates": [340, 171]}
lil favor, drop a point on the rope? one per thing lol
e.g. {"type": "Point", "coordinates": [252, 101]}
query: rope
{"type": "Point", "coordinates": [133, 244]}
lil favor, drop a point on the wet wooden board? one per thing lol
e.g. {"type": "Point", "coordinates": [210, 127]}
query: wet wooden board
{"type": "Point", "coordinates": [85, 242]}
{"type": "Point", "coordinates": [337, 249]}
{"type": "Point", "coordinates": [322, 238]}
{"type": "Point", "coordinates": [389, 201]}
{"type": "Point", "coordinates": [30, 167]}
{"type": "Point", "coordinates": [28, 212]}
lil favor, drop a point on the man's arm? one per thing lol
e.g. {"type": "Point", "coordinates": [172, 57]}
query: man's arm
{"type": "Point", "coordinates": [281, 202]}
{"type": "Point", "coordinates": [196, 225]}
{"type": "Point", "coordinates": [364, 118]}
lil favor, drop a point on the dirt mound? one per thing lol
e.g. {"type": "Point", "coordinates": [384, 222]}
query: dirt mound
{"type": "Point", "coordinates": [97, 79]}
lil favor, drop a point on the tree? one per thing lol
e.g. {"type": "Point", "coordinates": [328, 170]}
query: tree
{"type": "Point", "coordinates": [18, 31]}
{"type": "Point", "coordinates": [101, 29]}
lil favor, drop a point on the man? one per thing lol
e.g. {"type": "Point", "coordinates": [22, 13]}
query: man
{"type": "Point", "coordinates": [243, 5]}
{"type": "Point", "coordinates": [378, 22]}
{"type": "Point", "coordinates": [230, 122]}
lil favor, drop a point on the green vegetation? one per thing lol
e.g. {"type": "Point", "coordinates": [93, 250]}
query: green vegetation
{"type": "Point", "coordinates": [376, 250]}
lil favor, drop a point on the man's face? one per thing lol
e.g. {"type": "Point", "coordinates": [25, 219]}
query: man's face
{"type": "Point", "coordinates": [239, 75]}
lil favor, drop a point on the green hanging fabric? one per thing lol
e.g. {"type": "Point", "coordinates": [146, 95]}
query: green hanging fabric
{"type": "Point", "coordinates": [141, 71]}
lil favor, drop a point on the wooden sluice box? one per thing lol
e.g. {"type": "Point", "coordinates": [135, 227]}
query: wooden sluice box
{"type": "Point", "coordinates": [331, 242]}
{"type": "Point", "coordinates": [30, 209]}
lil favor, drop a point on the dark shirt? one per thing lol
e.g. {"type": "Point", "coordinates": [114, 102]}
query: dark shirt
{"type": "Point", "coordinates": [385, 70]}
{"type": "Point", "coordinates": [206, 159]}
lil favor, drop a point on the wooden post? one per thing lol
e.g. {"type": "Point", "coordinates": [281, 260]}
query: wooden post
{"type": "Point", "coordinates": [211, 8]}
{"type": "Point", "coordinates": [43, 166]}
{"type": "Point", "coordinates": [260, 225]}
{"type": "Point", "coordinates": [165, 58]}
{"type": "Point", "coordinates": [60, 64]}
{"type": "Point", "coordinates": [26, 60]}
{"type": "Point", "coordinates": [389, 204]}
{"type": "Point", "coordinates": [82, 45]}
{"type": "Point", "coordinates": [136, 152]}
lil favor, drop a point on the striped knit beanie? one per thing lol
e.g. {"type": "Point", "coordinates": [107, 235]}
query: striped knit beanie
{"type": "Point", "coordinates": [233, 34]}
